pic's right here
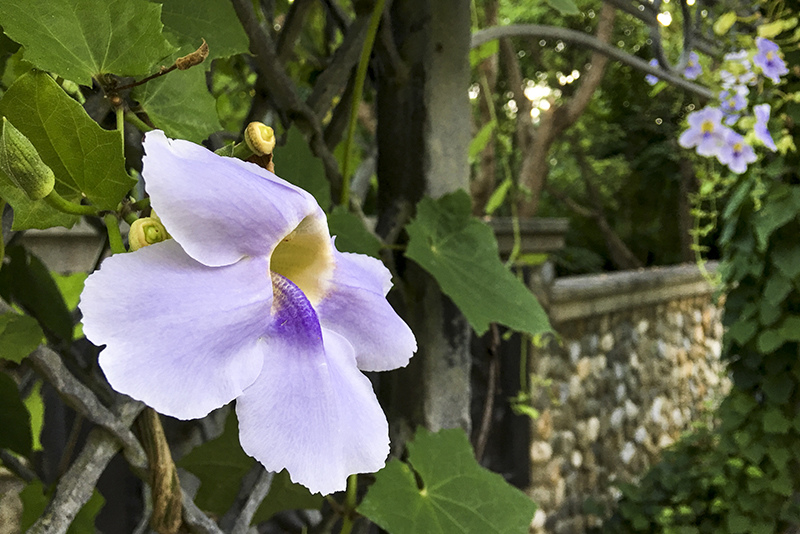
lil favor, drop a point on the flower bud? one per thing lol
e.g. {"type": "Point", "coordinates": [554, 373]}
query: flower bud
{"type": "Point", "coordinates": [195, 58]}
{"type": "Point", "coordinates": [259, 138]}
{"type": "Point", "coordinates": [146, 231]}
{"type": "Point", "coordinates": [20, 161]}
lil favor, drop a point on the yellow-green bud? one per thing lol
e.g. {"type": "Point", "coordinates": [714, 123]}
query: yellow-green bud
{"type": "Point", "coordinates": [146, 231]}
{"type": "Point", "coordinates": [20, 161]}
{"type": "Point", "coordinates": [259, 138]}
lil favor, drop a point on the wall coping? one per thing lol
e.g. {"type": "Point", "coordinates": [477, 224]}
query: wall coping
{"type": "Point", "coordinates": [576, 297]}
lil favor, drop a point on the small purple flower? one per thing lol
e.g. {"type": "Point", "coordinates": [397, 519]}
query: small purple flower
{"type": "Point", "coordinates": [760, 129]}
{"type": "Point", "coordinates": [732, 101]}
{"type": "Point", "coordinates": [705, 131]}
{"type": "Point", "coordinates": [693, 68]}
{"type": "Point", "coordinates": [769, 60]}
{"type": "Point", "coordinates": [250, 301]}
{"type": "Point", "coordinates": [735, 153]}
{"type": "Point", "coordinates": [651, 78]}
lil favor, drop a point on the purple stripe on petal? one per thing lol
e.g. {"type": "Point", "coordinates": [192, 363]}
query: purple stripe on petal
{"type": "Point", "coordinates": [311, 410]}
{"type": "Point", "coordinates": [220, 209]}
{"type": "Point", "coordinates": [182, 337]}
{"type": "Point", "coordinates": [356, 308]}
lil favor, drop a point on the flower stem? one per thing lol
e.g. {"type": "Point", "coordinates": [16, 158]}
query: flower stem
{"type": "Point", "coordinates": [120, 112]}
{"type": "Point", "coordinates": [140, 205]}
{"type": "Point", "coordinates": [61, 204]}
{"type": "Point", "coordinates": [358, 89]}
{"type": "Point", "coordinates": [350, 501]}
{"type": "Point", "coordinates": [136, 121]}
{"type": "Point", "coordinates": [114, 235]}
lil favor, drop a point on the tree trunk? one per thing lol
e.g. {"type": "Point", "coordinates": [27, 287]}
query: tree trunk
{"type": "Point", "coordinates": [423, 134]}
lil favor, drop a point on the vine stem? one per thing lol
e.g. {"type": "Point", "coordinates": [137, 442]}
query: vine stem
{"type": "Point", "coordinates": [350, 504]}
{"type": "Point", "coordinates": [114, 235]}
{"type": "Point", "coordinates": [358, 90]}
{"type": "Point", "coordinates": [61, 204]}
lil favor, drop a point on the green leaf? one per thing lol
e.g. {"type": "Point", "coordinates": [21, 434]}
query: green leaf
{"type": "Point", "coordinates": [742, 331]}
{"type": "Point", "coordinates": [787, 259]}
{"type": "Point", "coordinates": [19, 336]}
{"type": "Point", "coordinates": [295, 163]}
{"type": "Point", "coordinates": [32, 213]}
{"type": "Point", "coordinates": [776, 289]}
{"type": "Point", "coordinates": [779, 456]}
{"type": "Point", "coordinates": [738, 524]}
{"type": "Point", "coordinates": [35, 406]}
{"type": "Point", "coordinates": [87, 160]}
{"type": "Point", "coordinates": [14, 418]}
{"type": "Point", "coordinates": [220, 464]}
{"type": "Point", "coordinates": [190, 21]}
{"type": "Point", "coordinates": [481, 139]}
{"type": "Point", "coordinates": [775, 422]}
{"type": "Point", "coordinates": [779, 387]}
{"type": "Point", "coordinates": [25, 280]}
{"type": "Point", "coordinates": [790, 328]}
{"type": "Point", "coordinates": [79, 39]}
{"type": "Point", "coordinates": [566, 7]}
{"type": "Point", "coordinates": [498, 196]}
{"type": "Point", "coordinates": [460, 252]}
{"type": "Point", "coordinates": [180, 104]}
{"type": "Point", "coordinates": [780, 207]}
{"type": "Point", "coordinates": [70, 286]}
{"type": "Point", "coordinates": [456, 494]}
{"type": "Point", "coordinates": [484, 51]}
{"type": "Point", "coordinates": [286, 495]}
{"type": "Point", "coordinates": [34, 501]}
{"type": "Point", "coordinates": [351, 235]}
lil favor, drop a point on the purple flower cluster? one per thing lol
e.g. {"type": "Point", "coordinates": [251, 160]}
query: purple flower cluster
{"type": "Point", "coordinates": [691, 72]}
{"type": "Point", "coordinates": [710, 132]}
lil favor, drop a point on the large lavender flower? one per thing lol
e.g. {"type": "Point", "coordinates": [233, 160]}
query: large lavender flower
{"type": "Point", "coordinates": [250, 301]}
{"type": "Point", "coordinates": [735, 153]}
{"type": "Point", "coordinates": [760, 129]}
{"type": "Point", "coordinates": [769, 60]}
{"type": "Point", "coordinates": [693, 68]}
{"type": "Point", "coordinates": [705, 131]}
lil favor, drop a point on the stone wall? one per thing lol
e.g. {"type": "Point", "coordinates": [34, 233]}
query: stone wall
{"type": "Point", "coordinates": [635, 362]}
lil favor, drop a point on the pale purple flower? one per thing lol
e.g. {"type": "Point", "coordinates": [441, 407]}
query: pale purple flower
{"type": "Point", "coordinates": [693, 68]}
{"type": "Point", "coordinates": [732, 101]}
{"type": "Point", "coordinates": [760, 129]}
{"type": "Point", "coordinates": [651, 78]}
{"type": "Point", "coordinates": [705, 131]}
{"type": "Point", "coordinates": [742, 70]}
{"type": "Point", "coordinates": [250, 301]}
{"type": "Point", "coordinates": [769, 60]}
{"type": "Point", "coordinates": [735, 153]}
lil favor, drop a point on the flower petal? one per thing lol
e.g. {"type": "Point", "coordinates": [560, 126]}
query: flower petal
{"type": "Point", "coordinates": [220, 209]}
{"type": "Point", "coordinates": [311, 410]}
{"type": "Point", "coordinates": [181, 337]}
{"type": "Point", "coordinates": [356, 308]}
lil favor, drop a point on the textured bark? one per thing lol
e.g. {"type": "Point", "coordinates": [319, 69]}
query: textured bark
{"type": "Point", "coordinates": [423, 133]}
{"type": "Point", "coordinates": [553, 122]}
{"type": "Point", "coordinates": [485, 179]}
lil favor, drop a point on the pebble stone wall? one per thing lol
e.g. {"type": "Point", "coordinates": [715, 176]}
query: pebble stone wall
{"type": "Point", "coordinates": [636, 361]}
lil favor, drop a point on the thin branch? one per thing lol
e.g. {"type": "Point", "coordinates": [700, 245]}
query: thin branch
{"type": "Point", "coordinates": [292, 26]}
{"type": "Point", "coordinates": [83, 400]}
{"type": "Point", "coordinates": [491, 389]}
{"type": "Point", "coordinates": [195, 520]}
{"type": "Point", "coordinates": [284, 92]}
{"type": "Point", "coordinates": [16, 466]}
{"type": "Point", "coordinates": [257, 495]}
{"type": "Point", "coordinates": [539, 31]}
{"type": "Point", "coordinates": [77, 485]}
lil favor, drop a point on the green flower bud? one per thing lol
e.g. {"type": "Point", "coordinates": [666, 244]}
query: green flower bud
{"type": "Point", "coordinates": [259, 138]}
{"type": "Point", "coordinates": [146, 231]}
{"type": "Point", "coordinates": [20, 161]}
